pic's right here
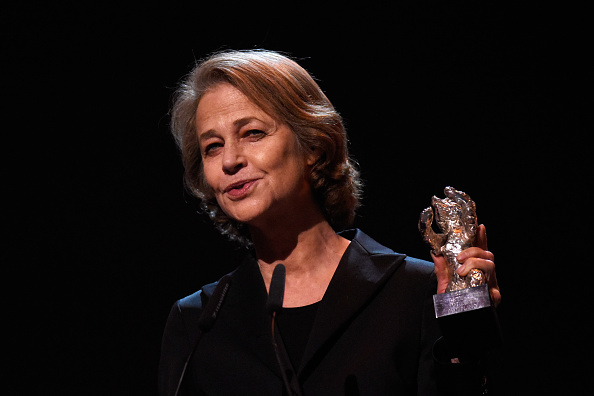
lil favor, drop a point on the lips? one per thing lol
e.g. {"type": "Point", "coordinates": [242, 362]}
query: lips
{"type": "Point", "coordinates": [239, 189]}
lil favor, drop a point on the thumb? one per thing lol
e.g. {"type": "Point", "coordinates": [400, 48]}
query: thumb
{"type": "Point", "coordinates": [441, 272]}
{"type": "Point", "coordinates": [481, 237]}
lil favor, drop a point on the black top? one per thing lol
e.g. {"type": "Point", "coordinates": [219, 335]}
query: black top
{"type": "Point", "coordinates": [375, 333]}
{"type": "Point", "coordinates": [294, 325]}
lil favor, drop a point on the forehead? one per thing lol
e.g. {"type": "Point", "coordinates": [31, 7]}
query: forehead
{"type": "Point", "coordinates": [223, 103]}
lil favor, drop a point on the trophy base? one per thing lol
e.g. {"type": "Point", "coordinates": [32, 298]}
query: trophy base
{"type": "Point", "coordinates": [468, 313]}
{"type": "Point", "coordinates": [461, 301]}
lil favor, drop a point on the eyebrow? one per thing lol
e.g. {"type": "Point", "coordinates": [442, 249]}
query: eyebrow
{"type": "Point", "coordinates": [207, 135]}
{"type": "Point", "coordinates": [246, 120]}
{"type": "Point", "coordinates": [237, 123]}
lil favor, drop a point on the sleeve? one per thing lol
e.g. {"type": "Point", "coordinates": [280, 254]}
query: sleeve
{"type": "Point", "coordinates": [175, 347]}
{"type": "Point", "coordinates": [438, 374]}
{"type": "Point", "coordinates": [427, 376]}
{"type": "Point", "coordinates": [468, 356]}
{"type": "Point", "coordinates": [179, 338]}
{"type": "Point", "coordinates": [466, 377]}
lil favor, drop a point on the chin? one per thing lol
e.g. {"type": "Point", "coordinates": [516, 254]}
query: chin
{"type": "Point", "coordinates": [243, 212]}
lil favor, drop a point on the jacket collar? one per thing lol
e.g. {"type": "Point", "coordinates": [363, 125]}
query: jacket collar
{"type": "Point", "coordinates": [363, 269]}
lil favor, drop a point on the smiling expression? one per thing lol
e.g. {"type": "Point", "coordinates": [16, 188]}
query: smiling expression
{"type": "Point", "coordinates": [252, 162]}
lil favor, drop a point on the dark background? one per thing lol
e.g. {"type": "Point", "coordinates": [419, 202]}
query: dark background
{"type": "Point", "coordinates": [484, 96]}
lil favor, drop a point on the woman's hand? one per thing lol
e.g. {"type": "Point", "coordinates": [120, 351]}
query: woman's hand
{"type": "Point", "coordinates": [475, 257]}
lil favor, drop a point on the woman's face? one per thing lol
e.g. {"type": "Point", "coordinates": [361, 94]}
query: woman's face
{"type": "Point", "coordinates": [252, 162]}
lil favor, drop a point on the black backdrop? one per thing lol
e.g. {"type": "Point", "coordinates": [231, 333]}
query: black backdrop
{"type": "Point", "coordinates": [478, 95]}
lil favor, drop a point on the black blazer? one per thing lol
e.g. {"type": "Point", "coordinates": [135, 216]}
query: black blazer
{"type": "Point", "coordinates": [374, 334]}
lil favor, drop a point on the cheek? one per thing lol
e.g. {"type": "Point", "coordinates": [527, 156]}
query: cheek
{"type": "Point", "coordinates": [209, 179]}
{"type": "Point", "coordinates": [283, 157]}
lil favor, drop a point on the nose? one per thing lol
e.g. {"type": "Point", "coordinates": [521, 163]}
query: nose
{"type": "Point", "coordinates": [233, 158]}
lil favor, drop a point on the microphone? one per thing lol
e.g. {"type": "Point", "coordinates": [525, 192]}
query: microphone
{"type": "Point", "coordinates": [276, 293]}
{"type": "Point", "coordinates": [274, 304]}
{"type": "Point", "coordinates": [207, 319]}
{"type": "Point", "coordinates": [211, 311]}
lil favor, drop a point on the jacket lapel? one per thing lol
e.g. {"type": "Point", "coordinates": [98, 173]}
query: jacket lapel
{"type": "Point", "coordinates": [363, 270]}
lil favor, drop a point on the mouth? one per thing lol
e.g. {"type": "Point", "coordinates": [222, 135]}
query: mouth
{"type": "Point", "coordinates": [239, 189]}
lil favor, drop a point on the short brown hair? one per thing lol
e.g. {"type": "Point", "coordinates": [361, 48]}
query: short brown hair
{"type": "Point", "coordinates": [286, 92]}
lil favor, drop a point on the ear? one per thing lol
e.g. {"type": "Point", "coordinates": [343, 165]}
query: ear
{"type": "Point", "coordinates": [313, 156]}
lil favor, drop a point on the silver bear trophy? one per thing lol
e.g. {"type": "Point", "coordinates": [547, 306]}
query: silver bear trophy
{"type": "Point", "coordinates": [455, 216]}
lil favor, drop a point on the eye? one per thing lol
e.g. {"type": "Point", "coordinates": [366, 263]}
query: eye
{"type": "Point", "coordinates": [255, 133]}
{"type": "Point", "coordinates": [212, 147]}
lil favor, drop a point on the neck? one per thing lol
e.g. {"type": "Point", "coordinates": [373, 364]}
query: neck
{"type": "Point", "coordinates": [310, 252]}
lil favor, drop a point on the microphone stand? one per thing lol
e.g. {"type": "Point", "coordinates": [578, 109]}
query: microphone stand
{"type": "Point", "coordinates": [274, 304]}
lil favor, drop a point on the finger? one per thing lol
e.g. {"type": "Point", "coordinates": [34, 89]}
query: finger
{"type": "Point", "coordinates": [439, 261]}
{"type": "Point", "coordinates": [495, 295]}
{"type": "Point", "coordinates": [488, 268]}
{"type": "Point", "coordinates": [485, 265]}
{"type": "Point", "coordinates": [481, 237]}
{"type": "Point", "coordinates": [474, 252]}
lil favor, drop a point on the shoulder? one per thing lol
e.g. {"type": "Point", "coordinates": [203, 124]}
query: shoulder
{"type": "Point", "coordinates": [197, 299]}
{"type": "Point", "coordinates": [378, 262]}
{"type": "Point", "coordinates": [186, 313]}
{"type": "Point", "coordinates": [193, 301]}
{"type": "Point", "coordinates": [367, 243]}
{"type": "Point", "coordinates": [376, 250]}
{"type": "Point", "coordinates": [419, 266]}
{"type": "Point", "coordinates": [368, 262]}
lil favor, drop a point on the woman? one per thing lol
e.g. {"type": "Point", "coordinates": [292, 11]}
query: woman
{"type": "Point", "coordinates": [266, 152]}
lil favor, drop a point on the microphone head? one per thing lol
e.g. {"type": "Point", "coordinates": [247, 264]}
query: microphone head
{"type": "Point", "coordinates": [276, 293]}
